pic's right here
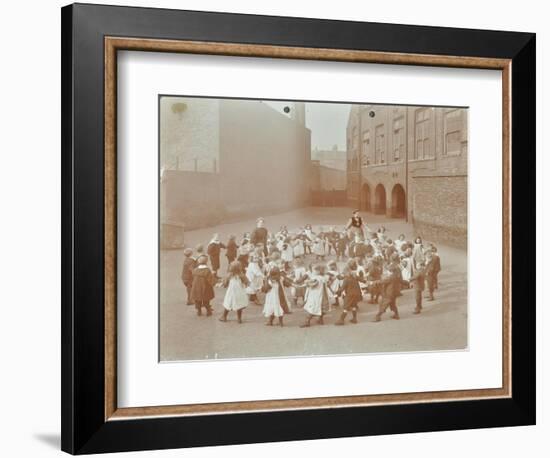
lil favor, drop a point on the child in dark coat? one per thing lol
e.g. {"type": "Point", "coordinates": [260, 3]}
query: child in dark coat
{"type": "Point", "coordinates": [231, 250]}
{"type": "Point", "coordinates": [391, 287]}
{"type": "Point", "coordinates": [353, 295]}
{"type": "Point", "coordinates": [213, 250]}
{"type": "Point", "coordinates": [202, 290]}
{"type": "Point", "coordinates": [418, 282]}
{"type": "Point", "coordinates": [187, 272]}
{"type": "Point", "coordinates": [431, 271]}
{"type": "Point", "coordinates": [341, 245]}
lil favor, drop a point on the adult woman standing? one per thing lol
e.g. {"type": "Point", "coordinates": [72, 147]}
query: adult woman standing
{"type": "Point", "coordinates": [259, 235]}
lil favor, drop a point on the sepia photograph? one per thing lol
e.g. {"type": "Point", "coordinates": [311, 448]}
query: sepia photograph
{"type": "Point", "coordinates": [310, 228]}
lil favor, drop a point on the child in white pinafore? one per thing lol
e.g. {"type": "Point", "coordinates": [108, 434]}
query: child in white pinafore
{"type": "Point", "coordinates": [275, 300]}
{"type": "Point", "coordinates": [287, 253]}
{"type": "Point", "coordinates": [298, 247]}
{"type": "Point", "coordinates": [319, 249]}
{"type": "Point", "coordinates": [334, 281]}
{"type": "Point", "coordinates": [299, 277]}
{"type": "Point", "coordinates": [316, 296]}
{"type": "Point", "coordinates": [235, 298]}
{"type": "Point", "coordinates": [255, 279]}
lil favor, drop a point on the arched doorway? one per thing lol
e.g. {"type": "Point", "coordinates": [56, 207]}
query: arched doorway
{"type": "Point", "coordinates": [365, 198]}
{"type": "Point", "coordinates": [398, 202]}
{"type": "Point", "coordinates": [380, 200]}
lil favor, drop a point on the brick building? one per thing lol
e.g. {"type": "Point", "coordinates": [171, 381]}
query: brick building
{"type": "Point", "coordinates": [225, 159]}
{"type": "Point", "coordinates": [328, 177]}
{"type": "Point", "coordinates": [411, 162]}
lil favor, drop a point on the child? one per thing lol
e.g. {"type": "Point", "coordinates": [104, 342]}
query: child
{"type": "Point", "coordinates": [418, 253]}
{"type": "Point", "coordinates": [381, 234]}
{"type": "Point", "coordinates": [300, 275]}
{"type": "Point", "coordinates": [391, 286]}
{"type": "Point", "coordinates": [259, 252]}
{"type": "Point", "coordinates": [307, 236]}
{"type": "Point", "coordinates": [235, 296]}
{"type": "Point", "coordinates": [437, 265]}
{"type": "Point", "coordinates": [255, 279]}
{"type": "Point", "coordinates": [187, 272]}
{"type": "Point", "coordinates": [353, 295]}
{"type": "Point", "coordinates": [333, 282]}
{"type": "Point", "coordinates": [213, 250]}
{"type": "Point", "coordinates": [231, 250]}
{"type": "Point", "coordinates": [274, 261]}
{"type": "Point", "coordinates": [199, 249]}
{"type": "Point", "coordinates": [287, 253]}
{"type": "Point", "coordinates": [298, 247]}
{"type": "Point", "coordinates": [362, 250]}
{"type": "Point", "coordinates": [319, 249]}
{"type": "Point", "coordinates": [407, 266]}
{"type": "Point", "coordinates": [361, 273]}
{"type": "Point", "coordinates": [418, 282]}
{"type": "Point", "coordinates": [430, 274]}
{"type": "Point", "coordinates": [374, 274]}
{"type": "Point", "coordinates": [400, 242]}
{"type": "Point", "coordinates": [341, 245]}
{"type": "Point", "coordinates": [316, 297]}
{"type": "Point", "coordinates": [275, 299]}
{"type": "Point", "coordinates": [202, 290]}
{"type": "Point", "coordinates": [244, 251]}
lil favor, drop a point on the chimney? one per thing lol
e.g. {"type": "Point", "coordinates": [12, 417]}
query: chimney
{"type": "Point", "coordinates": [298, 113]}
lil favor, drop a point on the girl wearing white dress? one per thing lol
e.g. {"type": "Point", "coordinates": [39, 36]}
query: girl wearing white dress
{"type": "Point", "coordinates": [334, 281]}
{"type": "Point", "coordinates": [407, 266]}
{"type": "Point", "coordinates": [275, 304]}
{"type": "Point", "coordinates": [235, 298]}
{"type": "Point", "coordinates": [255, 278]}
{"type": "Point", "coordinates": [316, 296]}
{"type": "Point", "coordinates": [299, 277]}
{"type": "Point", "coordinates": [319, 248]}
{"type": "Point", "coordinates": [287, 253]}
{"type": "Point", "coordinates": [298, 247]}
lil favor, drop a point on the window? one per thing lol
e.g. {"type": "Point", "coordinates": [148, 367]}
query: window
{"type": "Point", "coordinates": [422, 134]}
{"type": "Point", "coordinates": [366, 148]}
{"type": "Point", "coordinates": [398, 139]}
{"type": "Point", "coordinates": [379, 145]}
{"type": "Point", "coordinates": [453, 132]}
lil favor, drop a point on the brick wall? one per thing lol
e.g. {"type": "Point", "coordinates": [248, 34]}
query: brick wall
{"type": "Point", "coordinates": [439, 210]}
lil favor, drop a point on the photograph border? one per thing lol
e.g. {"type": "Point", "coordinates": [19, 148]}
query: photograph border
{"type": "Point", "coordinates": [91, 421]}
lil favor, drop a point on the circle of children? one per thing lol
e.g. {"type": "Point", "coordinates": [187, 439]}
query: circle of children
{"type": "Point", "coordinates": [289, 270]}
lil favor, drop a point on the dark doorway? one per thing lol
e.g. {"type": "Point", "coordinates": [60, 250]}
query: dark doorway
{"type": "Point", "coordinates": [380, 200]}
{"type": "Point", "coordinates": [398, 202]}
{"type": "Point", "coordinates": [365, 198]}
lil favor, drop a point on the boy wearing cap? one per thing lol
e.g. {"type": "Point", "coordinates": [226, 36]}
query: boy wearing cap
{"type": "Point", "coordinates": [418, 281]}
{"type": "Point", "coordinates": [391, 285]}
{"type": "Point", "coordinates": [187, 272]}
{"type": "Point", "coordinates": [202, 290]}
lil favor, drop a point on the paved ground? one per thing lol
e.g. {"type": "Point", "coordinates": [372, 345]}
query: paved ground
{"type": "Point", "coordinates": [184, 336]}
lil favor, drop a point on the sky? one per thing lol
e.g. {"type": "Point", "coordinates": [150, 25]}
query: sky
{"type": "Point", "coordinates": [327, 122]}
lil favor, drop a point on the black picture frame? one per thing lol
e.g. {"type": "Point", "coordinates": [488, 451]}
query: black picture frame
{"type": "Point", "coordinates": [84, 428]}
